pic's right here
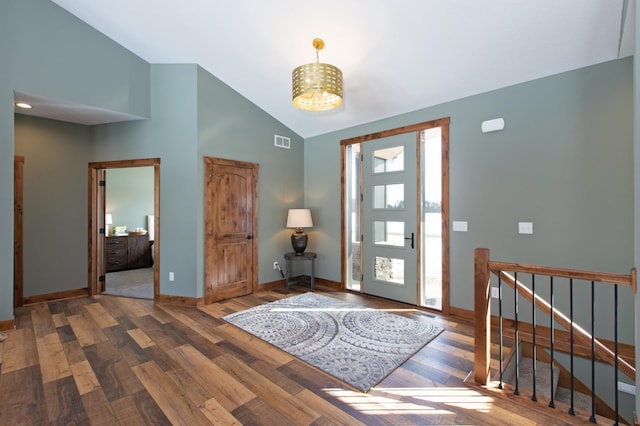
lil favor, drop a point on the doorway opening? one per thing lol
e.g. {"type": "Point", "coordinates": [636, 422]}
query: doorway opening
{"type": "Point", "coordinates": [121, 254]}
{"type": "Point", "coordinates": [395, 214]}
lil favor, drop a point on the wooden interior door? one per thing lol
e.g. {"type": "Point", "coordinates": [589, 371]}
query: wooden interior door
{"type": "Point", "coordinates": [102, 229]}
{"type": "Point", "coordinates": [231, 214]}
{"type": "Point", "coordinates": [18, 179]}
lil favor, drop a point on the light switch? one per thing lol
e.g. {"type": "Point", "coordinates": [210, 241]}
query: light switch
{"type": "Point", "coordinates": [495, 293]}
{"type": "Point", "coordinates": [525, 227]}
{"type": "Point", "coordinates": [459, 226]}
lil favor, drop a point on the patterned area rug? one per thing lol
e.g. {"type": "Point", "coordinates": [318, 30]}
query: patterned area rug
{"type": "Point", "coordinates": [356, 344]}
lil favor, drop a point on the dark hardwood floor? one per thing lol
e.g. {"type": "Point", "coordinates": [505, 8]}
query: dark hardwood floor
{"type": "Point", "coordinates": [110, 360]}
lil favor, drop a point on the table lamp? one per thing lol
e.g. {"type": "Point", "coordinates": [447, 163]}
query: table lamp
{"type": "Point", "coordinates": [108, 220]}
{"type": "Point", "coordinates": [298, 219]}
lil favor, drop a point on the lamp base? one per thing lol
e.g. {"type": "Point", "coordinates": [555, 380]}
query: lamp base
{"type": "Point", "coordinates": [299, 241]}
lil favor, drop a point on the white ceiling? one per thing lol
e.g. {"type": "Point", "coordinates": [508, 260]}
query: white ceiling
{"type": "Point", "coordinates": [396, 56]}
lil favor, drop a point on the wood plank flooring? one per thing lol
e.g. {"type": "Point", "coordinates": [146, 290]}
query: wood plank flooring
{"type": "Point", "coordinates": [118, 361]}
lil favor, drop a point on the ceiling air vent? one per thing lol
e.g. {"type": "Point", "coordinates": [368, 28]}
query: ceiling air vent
{"type": "Point", "coordinates": [281, 141]}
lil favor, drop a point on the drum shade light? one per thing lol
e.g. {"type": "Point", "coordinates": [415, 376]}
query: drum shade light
{"type": "Point", "coordinates": [317, 86]}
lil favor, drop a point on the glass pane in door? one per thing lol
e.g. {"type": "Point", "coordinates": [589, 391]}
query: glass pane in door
{"type": "Point", "coordinates": [388, 233]}
{"type": "Point", "coordinates": [352, 217]}
{"type": "Point", "coordinates": [388, 269]}
{"type": "Point", "coordinates": [388, 159]}
{"type": "Point", "coordinates": [432, 219]}
{"type": "Point", "coordinates": [388, 196]}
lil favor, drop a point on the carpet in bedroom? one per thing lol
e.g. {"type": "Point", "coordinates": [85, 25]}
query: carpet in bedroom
{"type": "Point", "coordinates": [137, 283]}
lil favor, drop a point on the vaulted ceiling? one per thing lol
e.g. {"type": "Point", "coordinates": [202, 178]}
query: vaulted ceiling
{"type": "Point", "coordinates": [396, 56]}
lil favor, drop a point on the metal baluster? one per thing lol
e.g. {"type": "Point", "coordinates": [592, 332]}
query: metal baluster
{"type": "Point", "coordinates": [552, 333]}
{"type": "Point", "coordinates": [517, 337]}
{"type": "Point", "coordinates": [572, 411]}
{"type": "Point", "coordinates": [592, 419]}
{"type": "Point", "coordinates": [615, 339]}
{"type": "Point", "coordinates": [500, 323]}
{"type": "Point", "coordinates": [534, 360]}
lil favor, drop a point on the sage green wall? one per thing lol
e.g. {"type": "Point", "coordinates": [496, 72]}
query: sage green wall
{"type": "Point", "coordinates": [85, 67]}
{"type": "Point", "coordinates": [55, 203]}
{"type": "Point", "coordinates": [6, 178]}
{"type": "Point", "coordinates": [193, 115]}
{"type": "Point", "coordinates": [231, 127]}
{"type": "Point", "coordinates": [171, 135]}
{"type": "Point", "coordinates": [48, 52]}
{"type": "Point", "coordinates": [563, 162]}
{"type": "Point", "coordinates": [636, 178]}
{"type": "Point", "coordinates": [6, 205]}
{"type": "Point", "coordinates": [55, 55]}
{"type": "Point", "coordinates": [129, 196]}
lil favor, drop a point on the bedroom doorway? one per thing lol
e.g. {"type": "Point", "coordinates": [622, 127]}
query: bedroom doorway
{"type": "Point", "coordinates": [123, 259]}
{"type": "Point", "coordinates": [395, 214]}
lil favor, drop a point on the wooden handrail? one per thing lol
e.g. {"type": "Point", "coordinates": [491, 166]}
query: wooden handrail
{"type": "Point", "coordinates": [483, 267]}
{"type": "Point", "coordinates": [576, 274]}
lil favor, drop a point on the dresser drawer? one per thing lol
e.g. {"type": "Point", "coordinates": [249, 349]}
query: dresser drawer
{"type": "Point", "coordinates": [116, 253]}
{"type": "Point", "coordinates": [116, 263]}
{"type": "Point", "coordinates": [116, 242]}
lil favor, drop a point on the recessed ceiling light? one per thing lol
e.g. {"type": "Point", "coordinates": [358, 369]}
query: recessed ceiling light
{"type": "Point", "coordinates": [23, 105]}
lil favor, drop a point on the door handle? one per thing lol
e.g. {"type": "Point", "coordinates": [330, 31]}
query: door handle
{"type": "Point", "coordinates": [249, 237]}
{"type": "Point", "coordinates": [410, 238]}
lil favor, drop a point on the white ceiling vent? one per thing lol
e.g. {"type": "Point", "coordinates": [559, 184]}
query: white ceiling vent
{"type": "Point", "coordinates": [281, 141]}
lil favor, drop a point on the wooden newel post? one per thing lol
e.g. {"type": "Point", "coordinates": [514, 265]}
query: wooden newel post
{"type": "Point", "coordinates": [482, 309]}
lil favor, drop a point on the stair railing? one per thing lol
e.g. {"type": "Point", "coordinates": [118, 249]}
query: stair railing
{"type": "Point", "coordinates": [579, 338]}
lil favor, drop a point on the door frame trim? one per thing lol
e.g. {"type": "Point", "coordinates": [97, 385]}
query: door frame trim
{"type": "Point", "coordinates": [208, 252]}
{"type": "Point", "coordinates": [413, 128]}
{"type": "Point", "coordinates": [94, 218]}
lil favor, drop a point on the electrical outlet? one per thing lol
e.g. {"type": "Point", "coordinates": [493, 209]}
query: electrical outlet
{"type": "Point", "coordinates": [276, 266]}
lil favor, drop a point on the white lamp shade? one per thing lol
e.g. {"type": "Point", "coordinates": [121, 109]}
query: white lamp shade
{"type": "Point", "coordinates": [299, 218]}
{"type": "Point", "coordinates": [108, 219]}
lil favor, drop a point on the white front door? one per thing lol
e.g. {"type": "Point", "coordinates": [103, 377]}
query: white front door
{"type": "Point", "coordinates": [389, 218]}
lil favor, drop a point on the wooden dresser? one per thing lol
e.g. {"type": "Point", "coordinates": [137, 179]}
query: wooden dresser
{"type": "Point", "coordinates": [127, 252]}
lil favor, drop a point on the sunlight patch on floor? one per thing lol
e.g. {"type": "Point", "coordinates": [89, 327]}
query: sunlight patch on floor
{"type": "Point", "coordinates": [456, 397]}
{"type": "Point", "coordinates": [376, 404]}
{"type": "Point", "coordinates": [413, 400]}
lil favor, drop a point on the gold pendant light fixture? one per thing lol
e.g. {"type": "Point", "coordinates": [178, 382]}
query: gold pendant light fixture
{"type": "Point", "coordinates": [317, 86]}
